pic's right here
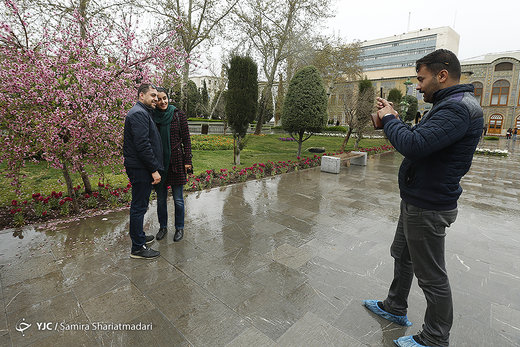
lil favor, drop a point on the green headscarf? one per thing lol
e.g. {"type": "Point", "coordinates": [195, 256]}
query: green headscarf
{"type": "Point", "coordinates": [163, 119]}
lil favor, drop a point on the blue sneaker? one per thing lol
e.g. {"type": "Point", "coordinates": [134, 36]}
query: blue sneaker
{"type": "Point", "coordinates": [407, 341]}
{"type": "Point", "coordinates": [401, 320]}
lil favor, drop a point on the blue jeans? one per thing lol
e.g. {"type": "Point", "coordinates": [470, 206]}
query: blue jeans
{"type": "Point", "coordinates": [141, 181]}
{"type": "Point", "coordinates": [418, 248]}
{"type": "Point", "coordinates": [162, 210]}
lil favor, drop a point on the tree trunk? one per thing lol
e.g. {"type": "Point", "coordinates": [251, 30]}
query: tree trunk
{"type": "Point", "coordinates": [70, 189]}
{"type": "Point", "coordinates": [260, 121]}
{"type": "Point", "coordinates": [236, 149]}
{"type": "Point", "coordinates": [216, 104]}
{"type": "Point", "coordinates": [300, 141]}
{"type": "Point", "coordinates": [86, 179]}
{"type": "Point", "coordinates": [358, 139]}
{"type": "Point", "coordinates": [345, 141]}
{"type": "Point", "coordinates": [184, 84]}
{"type": "Point", "coordinates": [83, 4]}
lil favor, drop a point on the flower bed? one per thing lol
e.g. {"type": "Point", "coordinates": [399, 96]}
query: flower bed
{"type": "Point", "coordinates": [222, 177]}
{"type": "Point", "coordinates": [377, 150]}
{"type": "Point", "coordinates": [496, 152]}
{"type": "Point", "coordinates": [286, 139]}
{"type": "Point", "coordinates": [210, 143]}
{"type": "Point", "coordinates": [44, 208]}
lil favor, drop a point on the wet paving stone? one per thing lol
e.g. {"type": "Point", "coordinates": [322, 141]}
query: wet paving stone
{"type": "Point", "coordinates": [33, 291]}
{"type": "Point", "coordinates": [283, 261]}
{"type": "Point", "coordinates": [159, 332]}
{"type": "Point", "coordinates": [251, 337]}
{"type": "Point", "coordinates": [269, 313]}
{"type": "Point", "coordinates": [311, 330]}
{"type": "Point", "coordinates": [117, 305]}
{"type": "Point", "coordinates": [211, 323]}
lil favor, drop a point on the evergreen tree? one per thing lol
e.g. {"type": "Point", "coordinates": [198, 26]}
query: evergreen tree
{"type": "Point", "coordinates": [204, 99]}
{"type": "Point", "coordinates": [411, 112]}
{"type": "Point", "coordinates": [395, 96]}
{"type": "Point", "coordinates": [192, 99]}
{"type": "Point", "coordinates": [242, 99]}
{"type": "Point", "coordinates": [305, 105]}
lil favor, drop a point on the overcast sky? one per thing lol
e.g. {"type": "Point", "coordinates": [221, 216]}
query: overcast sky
{"type": "Point", "coordinates": [484, 27]}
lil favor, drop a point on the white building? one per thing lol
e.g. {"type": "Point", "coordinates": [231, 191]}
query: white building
{"type": "Point", "coordinates": [395, 56]}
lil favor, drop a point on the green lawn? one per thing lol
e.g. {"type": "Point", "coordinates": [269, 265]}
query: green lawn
{"type": "Point", "coordinates": [41, 178]}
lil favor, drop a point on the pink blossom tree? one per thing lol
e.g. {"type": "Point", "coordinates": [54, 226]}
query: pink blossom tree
{"type": "Point", "coordinates": [64, 102]}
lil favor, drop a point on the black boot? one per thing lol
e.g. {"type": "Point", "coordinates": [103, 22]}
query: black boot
{"type": "Point", "coordinates": [162, 233]}
{"type": "Point", "coordinates": [179, 233]}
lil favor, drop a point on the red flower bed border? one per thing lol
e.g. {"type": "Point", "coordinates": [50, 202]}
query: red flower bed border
{"type": "Point", "coordinates": [45, 208]}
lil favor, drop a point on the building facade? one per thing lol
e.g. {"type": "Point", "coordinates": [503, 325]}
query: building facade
{"type": "Point", "coordinates": [496, 78]}
{"type": "Point", "coordinates": [390, 62]}
{"type": "Point", "coordinates": [402, 51]}
{"type": "Point", "coordinates": [213, 83]}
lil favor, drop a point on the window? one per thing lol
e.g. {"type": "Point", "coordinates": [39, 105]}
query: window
{"type": "Point", "coordinates": [504, 67]}
{"type": "Point", "coordinates": [517, 122]}
{"type": "Point", "coordinates": [478, 91]}
{"type": "Point", "coordinates": [500, 93]}
{"type": "Point", "coordinates": [495, 124]}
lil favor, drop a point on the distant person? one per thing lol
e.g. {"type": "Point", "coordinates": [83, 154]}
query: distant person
{"type": "Point", "coordinates": [417, 117]}
{"type": "Point", "coordinates": [176, 144]}
{"type": "Point", "coordinates": [437, 154]}
{"type": "Point", "coordinates": [142, 152]}
{"type": "Point", "coordinates": [485, 129]}
{"type": "Point", "coordinates": [337, 123]}
{"type": "Point", "coordinates": [509, 133]}
{"type": "Point", "coordinates": [515, 132]}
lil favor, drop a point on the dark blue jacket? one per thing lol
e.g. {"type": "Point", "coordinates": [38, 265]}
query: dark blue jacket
{"type": "Point", "coordinates": [142, 146]}
{"type": "Point", "coordinates": [438, 151]}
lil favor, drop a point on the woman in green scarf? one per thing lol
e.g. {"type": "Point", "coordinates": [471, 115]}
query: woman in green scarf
{"type": "Point", "coordinates": [176, 143]}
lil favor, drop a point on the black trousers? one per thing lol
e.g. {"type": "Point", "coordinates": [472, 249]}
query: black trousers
{"type": "Point", "coordinates": [418, 248]}
{"type": "Point", "coordinates": [141, 180]}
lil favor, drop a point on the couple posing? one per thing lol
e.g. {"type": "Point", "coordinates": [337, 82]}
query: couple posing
{"type": "Point", "coordinates": [157, 154]}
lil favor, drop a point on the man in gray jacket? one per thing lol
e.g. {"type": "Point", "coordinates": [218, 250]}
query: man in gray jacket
{"type": "Point", "coordinates": [142, 150]}
{"type": "Point", "coordinates": [437, 153]}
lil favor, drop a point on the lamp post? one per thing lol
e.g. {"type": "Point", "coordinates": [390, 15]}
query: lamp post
{"type": "Point", "coordinates": [407, 83]}
{"type": "Point", "coordinates": [404, 107]}
{"type": "Point", "coordinates": [404, 104]}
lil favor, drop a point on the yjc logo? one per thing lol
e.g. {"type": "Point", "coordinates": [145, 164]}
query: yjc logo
{"type": "Point", "coordinates": [21, 326]}
{"type": "Point", "coordinates": [45, 326]}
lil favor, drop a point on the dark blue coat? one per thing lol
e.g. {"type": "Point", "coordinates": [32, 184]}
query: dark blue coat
{"type": "Point", "coordinates": [438, 151]}
{"type": "Point", "coordinates": [142, 146]}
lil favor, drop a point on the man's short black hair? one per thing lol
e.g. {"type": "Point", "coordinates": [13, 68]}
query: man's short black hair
{"type": "Point", "coordinates": [441, 59]}
{"type": "Point", "coordinates": [143, 88]}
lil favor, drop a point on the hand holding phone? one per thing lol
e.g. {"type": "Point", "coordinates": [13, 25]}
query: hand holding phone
{"type": "Point", "coordinates": [384, 107]}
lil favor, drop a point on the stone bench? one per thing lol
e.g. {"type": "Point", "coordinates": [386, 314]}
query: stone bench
{"type": "Point", "coordinates": [334, 163]}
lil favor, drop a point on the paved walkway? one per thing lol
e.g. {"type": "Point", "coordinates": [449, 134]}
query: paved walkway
{"type": "Point", "coordinates": [284, 261]}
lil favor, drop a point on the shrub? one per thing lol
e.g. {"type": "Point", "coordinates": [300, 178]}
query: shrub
{"type": "Point", "coordinates": [305, 105]}
{"type": "Point", "coordinates": [210, 143]}
{"type": "Point", "coordinates": [336, 128]}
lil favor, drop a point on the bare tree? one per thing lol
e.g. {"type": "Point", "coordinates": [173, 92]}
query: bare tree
{"type": "Point", "coordinates": [196, 21]}
{"type": "Point", "coordinates": [337, 62]}
{"type": "Point", "coordinates": [270, 27]}
{"type": "Point", "coordinates": [357, 105]}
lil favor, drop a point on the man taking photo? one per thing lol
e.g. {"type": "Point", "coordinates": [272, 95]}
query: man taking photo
{"type": "Point", "coordinates": [437, 153]}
